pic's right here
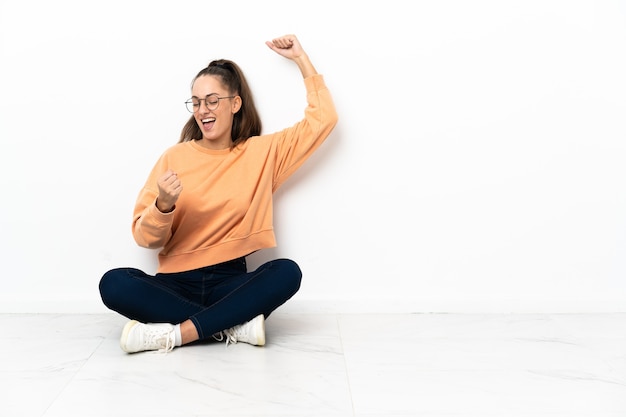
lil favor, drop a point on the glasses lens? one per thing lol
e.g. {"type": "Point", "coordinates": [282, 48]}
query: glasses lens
{"type": "Point", "coordinates": [212, 101]}
{"type": "Point", "coordinates": [190, 105]}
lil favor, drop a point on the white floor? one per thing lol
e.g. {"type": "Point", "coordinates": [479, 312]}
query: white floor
{"type": "Point", "coordinates": [324, 365]}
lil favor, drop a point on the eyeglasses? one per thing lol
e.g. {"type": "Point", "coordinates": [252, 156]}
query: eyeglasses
{"type": "Point", "coordinates": [212, 101]}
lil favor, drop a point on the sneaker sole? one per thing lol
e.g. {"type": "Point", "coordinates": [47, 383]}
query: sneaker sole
{"type": "Point", "coordinates": [261, 337]}
{"type": "Point", "coordinates": [125, 332]}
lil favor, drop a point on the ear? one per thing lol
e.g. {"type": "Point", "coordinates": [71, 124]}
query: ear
{"type": "Point", "coordinates": [236, 104]}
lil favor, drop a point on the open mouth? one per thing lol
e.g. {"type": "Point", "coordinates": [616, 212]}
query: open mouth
{"type": "Point", "coordinates": [208, 122]}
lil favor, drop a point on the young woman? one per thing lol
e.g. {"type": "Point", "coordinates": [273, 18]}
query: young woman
{"type": "Point", "coordinates": [207, 204]}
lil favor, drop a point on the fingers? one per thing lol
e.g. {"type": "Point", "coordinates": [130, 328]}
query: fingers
{"type": "Point", "coordinates": [169, 177]}
{"type": "Point", "coordinates": [285, 45]}
{"type": "Point", "coordinates": [283, 42]}
{"type": "Point", "coordinates": [169, 184]}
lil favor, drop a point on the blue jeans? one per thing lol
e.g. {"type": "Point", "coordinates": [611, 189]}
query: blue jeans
{"type": "Point", "coordinates": [215, 297]}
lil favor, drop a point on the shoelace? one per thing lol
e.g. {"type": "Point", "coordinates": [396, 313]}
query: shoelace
{"type": "Point", "coordinates": [228, 334]}
{"type": "Point", "coordinates": [156, 337]}
{"type": "Point", "coordinates": [169, 345]}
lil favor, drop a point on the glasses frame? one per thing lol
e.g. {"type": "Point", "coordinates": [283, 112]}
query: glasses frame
{"type": "Point", "coordinates": [191, 107]}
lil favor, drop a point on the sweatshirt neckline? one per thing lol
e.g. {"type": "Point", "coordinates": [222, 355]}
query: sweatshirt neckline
{"type": "Point", "coordinates": [199, 148]}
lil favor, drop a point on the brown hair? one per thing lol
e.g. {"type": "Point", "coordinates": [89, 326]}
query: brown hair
{"type": "Point", "coordinates": [246, 122]}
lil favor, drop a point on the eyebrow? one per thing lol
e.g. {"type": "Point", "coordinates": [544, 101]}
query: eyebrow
{"type": "Point", "coordinates": [211, 94]}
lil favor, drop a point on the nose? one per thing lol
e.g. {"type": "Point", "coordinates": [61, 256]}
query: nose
{"type": "Point", "coordinates": [203, 101]}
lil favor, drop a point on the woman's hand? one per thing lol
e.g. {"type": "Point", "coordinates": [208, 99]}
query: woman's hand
{"type": "Point", "coordinates": [289, 47]}
{"type": "Point", "coordinates": [170, 188]}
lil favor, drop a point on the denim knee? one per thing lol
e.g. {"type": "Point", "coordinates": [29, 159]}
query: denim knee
{"type": "Point", "coordinates": [290, 273]}
{"type": "Point", "coordinates": [114, 283]}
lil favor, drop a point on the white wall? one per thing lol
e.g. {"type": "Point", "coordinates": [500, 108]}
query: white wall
{"type": "Point", "coordinates": [478, 164]}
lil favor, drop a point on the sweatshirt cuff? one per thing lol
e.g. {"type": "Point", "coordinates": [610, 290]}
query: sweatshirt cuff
{"type": "Point", "coordinates": [159, 215]}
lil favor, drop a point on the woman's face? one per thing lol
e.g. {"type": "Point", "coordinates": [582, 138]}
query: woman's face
{"type": "Point", "coordinates": [214, 111]}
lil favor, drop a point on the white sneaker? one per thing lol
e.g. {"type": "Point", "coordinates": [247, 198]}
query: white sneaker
{"type": "Point", "coordinates": [137, 337]}
{"type": "Point", "coordinates": [252, 332]}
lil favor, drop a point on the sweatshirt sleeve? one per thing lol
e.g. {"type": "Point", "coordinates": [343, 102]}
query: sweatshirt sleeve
{"type": "Point", "coordinates": [296, 144]}
{"type": "Point", "coordinates": [151, 228]}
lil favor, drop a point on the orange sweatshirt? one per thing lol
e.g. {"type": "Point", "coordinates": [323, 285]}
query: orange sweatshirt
{"type": "Point", "coordinates": [225, 209]}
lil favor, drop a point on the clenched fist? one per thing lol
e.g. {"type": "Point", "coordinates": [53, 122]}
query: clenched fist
{"type": "Point", "coordinates": [170, 188]}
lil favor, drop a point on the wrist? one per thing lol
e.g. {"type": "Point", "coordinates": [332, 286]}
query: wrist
{"type": "Point", "coordinates": [163, 208]}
